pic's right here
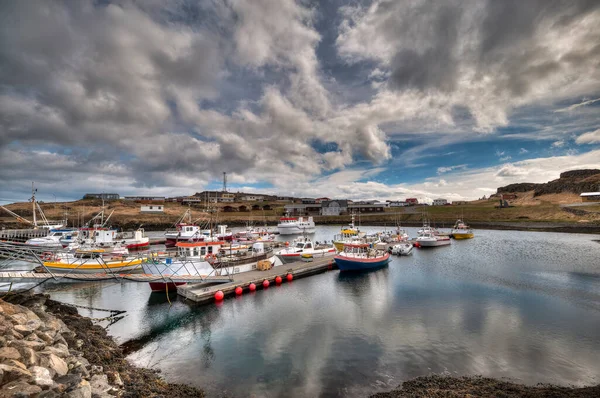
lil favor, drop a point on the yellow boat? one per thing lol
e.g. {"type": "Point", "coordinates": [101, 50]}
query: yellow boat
{"type": "Point", "coordinates": [87, 265]}
{"type": "Point", "coordinates": [462, 231]}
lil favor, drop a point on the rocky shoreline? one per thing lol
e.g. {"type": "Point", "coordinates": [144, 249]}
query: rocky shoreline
{"type": "Point", "coordinates": [48, 350]}
{"type": "Point", "coordinates": [454, 387]}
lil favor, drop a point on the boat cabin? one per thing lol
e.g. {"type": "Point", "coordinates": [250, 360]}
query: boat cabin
{"type": "Point", "coordinates": [198, 249]}
{"type": "Point", "coordinates": [187, 228]}
{"type": "Point", "coordinates": [357, 248]}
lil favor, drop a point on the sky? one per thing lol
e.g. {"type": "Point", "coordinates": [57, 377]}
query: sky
{"type": "Point", "coordinates": [343, 99]}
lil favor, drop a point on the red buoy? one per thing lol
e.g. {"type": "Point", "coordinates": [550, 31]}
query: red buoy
{"type": "Point", "coordinates": [287, 243]}
{"type": "Point", "coordinates": [266, 283]}
{"type": "Point", "coordinates": [278, 280]}
{"type": "Point", "coordinates": [252, 287]}
{"type": "Point", "coordinates": [289, 277]}
{"type": "Point", "coordinates": [238, 291]}
{"type": "Point", "coordinates": [417, 244]}
{"type": "Point", "coordinates": [219, 295]}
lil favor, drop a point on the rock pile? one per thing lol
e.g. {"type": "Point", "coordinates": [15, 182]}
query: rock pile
{"type": "Point", "coordinates": [36, 361]}
{"type": "Point", "coordinates": [48, 350]}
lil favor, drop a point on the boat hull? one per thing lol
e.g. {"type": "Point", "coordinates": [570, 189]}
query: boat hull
{"type": "Point", "coordinates": [170, 242]}
{"type": "Point", "coordinates": [295, 230]}
{"type": "Point", "coordinates": [138, 245]}
{"type": "Point", "coordinates": [93, 267]}
{"type": "Point", "coordinates": [434, 243]}
{"type": "Point", "coordinates": [462, 236]}
{"type": "Point", "coordinates": [288, 258]}
{"type": "Point", "coordinates": [360, 264]}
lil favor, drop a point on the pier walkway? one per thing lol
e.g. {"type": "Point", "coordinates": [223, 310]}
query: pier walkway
{"type": "Point", "coordinates": [202, 293]}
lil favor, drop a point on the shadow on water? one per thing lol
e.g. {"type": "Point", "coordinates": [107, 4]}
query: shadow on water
{"type": "Point", "coordinates": [200, 316]}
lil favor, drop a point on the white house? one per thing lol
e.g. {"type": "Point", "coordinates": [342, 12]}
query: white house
{"type": "Point", "coordinates": [253, 198]}
{"type": "Point", "coordinates": [152, 209]}
{"type": "Point", "coordinates": [440, 202]}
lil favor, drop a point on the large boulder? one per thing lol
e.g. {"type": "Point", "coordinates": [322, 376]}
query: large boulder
{"type": "Point", "coordinates": [41, 376]}
{"type": "Point", "coordinates": [9, 353]}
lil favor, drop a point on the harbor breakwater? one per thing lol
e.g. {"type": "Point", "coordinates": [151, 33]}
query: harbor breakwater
{"type": "Point", "coordinates": [48, 350]}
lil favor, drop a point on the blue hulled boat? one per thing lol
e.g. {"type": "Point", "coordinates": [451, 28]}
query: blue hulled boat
{"type": "Point", "coordinates": [361, 256]}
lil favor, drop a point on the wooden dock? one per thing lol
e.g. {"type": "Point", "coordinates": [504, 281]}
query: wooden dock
{"type": "Point", "coordinates": [43, 276]}
{"type": "Point", "coordinates": [203, 293]}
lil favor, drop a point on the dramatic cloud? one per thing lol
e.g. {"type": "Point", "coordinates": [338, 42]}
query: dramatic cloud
{"type": "Point", "coordinates": [284, 95]}
{"type": "Point", "coordinates": [485, 56]}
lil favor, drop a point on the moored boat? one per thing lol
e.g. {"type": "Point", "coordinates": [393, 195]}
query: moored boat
{"type": "Point", "coordinates": [429, 239]}
{"type": "Point", "coordinates": [296, 226]}
{"type": "Point", "coordinates": [207, 258]}
{"type": "Point", "coordinates": [305, 246]}
{"type": "Point", "coordinates": [359, 257]}
{"type": "Point", "coordinates": [92, 262]}
{"type": "Point", "coordinates": [53, 239]}
{"type": "Point", "coordinates": [402, 249]}
{"type": "Point", "coordinates": [462, 231]}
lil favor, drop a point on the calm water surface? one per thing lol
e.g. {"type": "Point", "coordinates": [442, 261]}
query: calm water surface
{"type": "Point", "coordinates": [522, 305]}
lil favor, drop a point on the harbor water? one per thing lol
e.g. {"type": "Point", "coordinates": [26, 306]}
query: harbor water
{"type": "Point", "coordinates": [506, 304]}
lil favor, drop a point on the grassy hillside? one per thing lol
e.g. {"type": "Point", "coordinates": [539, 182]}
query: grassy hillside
{"type": "Point", "coordinates": [527, 208]}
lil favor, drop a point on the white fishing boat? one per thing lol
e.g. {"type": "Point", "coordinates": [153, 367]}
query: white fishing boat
{"type": "Point", "coordinates": [402, 249]}
{"type": "Point", "coordinates": [44, 225]}
{"type": "Point", "coordinates": [186, 230]}
{"type": "Point", "coordinates": [53, 239]}
{"type": "Point", "coordinates": [296, 225]}
{"type": "Point", "coordinates": [133, 240]}
{"type": "Point", "coordinates": [305, 247]}
{"type": "Point", "coordinates": [208, 258]}
{"type": "Point", "coordinates": [429, 239]}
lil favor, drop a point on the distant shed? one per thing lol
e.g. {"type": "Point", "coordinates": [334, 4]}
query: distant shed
{"type": "Point", "coordinates": [590, 197]}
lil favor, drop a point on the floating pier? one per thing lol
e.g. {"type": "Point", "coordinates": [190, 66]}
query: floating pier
{"type": "Point", "coordinates": [202, 293]}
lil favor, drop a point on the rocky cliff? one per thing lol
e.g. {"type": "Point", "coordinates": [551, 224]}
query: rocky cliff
{"type": "Point", "coordinates": [574, 181]}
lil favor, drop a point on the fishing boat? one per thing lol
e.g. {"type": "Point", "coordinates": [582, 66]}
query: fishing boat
{"type": "Point", "coordinates": [53, 239]}
{"type": "Point", "coordinates": [461, 230]}
{"type": "Point", "coordinates": [133, 240]}
{"type": "Point", "coordinates": [207, 258]}
{"type": "Point", "coordinates": [402, 249]}
{"type": "Point", "coordinates": [185, 231]}
{"type": "Point", "coordinates": [359, 257]}
{"type": "Point", "coordinates": [304, 247]}
{"type": "Point", "coordinates": [429, 239]}
{"type": "Point", "coordinates": [296, 226]}
{"type": "Point", "coordinates": [91, 262]}
{"type": "Point", "coordinates": [348, 234]}
{"type": "Point", "coordinates": [36, 229]}
{"type": "Point", "coordinates": [223, 233]}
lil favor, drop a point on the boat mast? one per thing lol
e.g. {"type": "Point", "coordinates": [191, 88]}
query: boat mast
{"type": "Point", "coordinates": [33, 205]}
